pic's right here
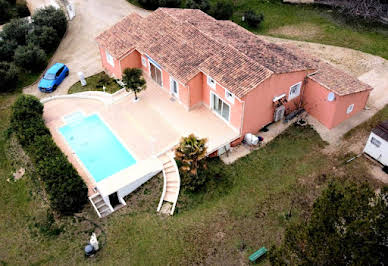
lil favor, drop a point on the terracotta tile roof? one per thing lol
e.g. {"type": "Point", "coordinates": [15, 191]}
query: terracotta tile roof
{"type": "Point", "coordinates": [187, 41]}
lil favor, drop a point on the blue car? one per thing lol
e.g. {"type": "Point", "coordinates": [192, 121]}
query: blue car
{"type": "Point", "coordinates": [53, 77]}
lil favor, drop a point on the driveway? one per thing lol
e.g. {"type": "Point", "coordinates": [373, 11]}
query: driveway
{"type": "Point", "coordinates": [78, 49]}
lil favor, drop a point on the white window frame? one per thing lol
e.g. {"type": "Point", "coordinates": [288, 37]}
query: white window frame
{"type": "Point", "coordinates": [291, 95]}
{"type": "Point", "coordinates": [109, 58]}
{"type": "Point", "coordinates": [229, 96]}
{"type": "Point", "coordinates": [350, 108]}
{"type": "Point", "coordinates": [171, 81]}
{"type": "Point", "coordinates": [144, 61]}
{"type": "Point", "coordinates": [224, 102]}
{"type": "Point", "coordinates": [211, 82]}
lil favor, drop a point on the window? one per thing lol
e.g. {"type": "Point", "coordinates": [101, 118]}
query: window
{"type": "Point", "coordinates": [109, 58]}
{"type": "Point", "coordinates": [220, 107]}
{"type": "Point", "coordinates": [229, 96]}
{"type": "Point", "coordinates": [211, 82]}
{"type": "Point", "coordinates": [350, 108]}
{"type": "Point", "coordinates": [144, 61]}
{"type": "Point", "coordinates": [294, 91]}
{"type": "Point", "coordinates": [375, 142]}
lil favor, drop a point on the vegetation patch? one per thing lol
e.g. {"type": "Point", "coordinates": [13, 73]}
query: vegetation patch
{"type": "Point", "coordinates": [96, 83]}
{"type": "Point", "coordinates": [11, 9]}
{"type": "Point", "coordinates": [66, 190]}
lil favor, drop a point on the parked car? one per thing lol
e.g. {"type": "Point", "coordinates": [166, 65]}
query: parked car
{"type": "Point", "coordinates": [53, 77]}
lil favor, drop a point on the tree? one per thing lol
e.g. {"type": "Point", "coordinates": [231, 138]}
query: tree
{"type": "Point", "coordinates": [198, 4]}
{"type": "Point", "coordinates": [8, 76]}
{"type": "Point", "coordinates": [7, 50]}
{"type": "Point", "coordinates": [134, 81]}
{"type": "Point", "coordinates": [45, 37]}
{"type": "Point", "coordinates": [253, 19]}
{"type": "Point", "coordinates": [348, 226]}
{"type": "Point", "coordinates": [51, 17]}
{"type": "Point", "coordinates": [30, 57]}
{"type": "Point", "coordinates": [190, 155]}
{"type": "Point", "coordinates": [16, 30]}
{"type": "Point", "coordinates": [223, 9]}
{"type": "Point", "coordinates": [4, 11]}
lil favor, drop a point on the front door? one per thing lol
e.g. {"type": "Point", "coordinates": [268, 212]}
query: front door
{"type": "Point", "coordinates": [279, 113]}
{"type": "Point", "coordinates": [156, 74]}
{"type": "Point", "coordinates": [174, 87]}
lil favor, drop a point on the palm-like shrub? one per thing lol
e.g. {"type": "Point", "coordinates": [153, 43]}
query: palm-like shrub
{"type": "Point", "coordinates": [189, 155]}
{"type": "Point", "coordinates": [134, 81]}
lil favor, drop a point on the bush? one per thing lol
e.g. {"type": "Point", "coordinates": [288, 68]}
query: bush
{"type": "Point", "coordinates": [198, 4]}
{"type": "Point", "coordinates": [4, 11]}
{"type": "Point", "coordinates": [51, 17]}
{"type": "Point", "coordinates": [66, 190]}
{"type": "Point", "coordinates": [22, 10]}
{"type": "Point", "coordinates": [7, 50]}
{"type": "Point", "coordinates": [154, 4]}
{"type": "Point", "coordinates": [8, 76]}
{"type": "Point", "coordinates": [223, 9]}
{"type": "Point", "coordinates": [253, 19]}
{"type": "Point", "coordinates": [45, 37]}
{"type": "Point", "coordinates": [16, 30]}
{"type": "Point", "coordinates": [30, 57]}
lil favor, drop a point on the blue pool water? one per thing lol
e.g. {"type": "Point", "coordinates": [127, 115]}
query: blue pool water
{"type": "Point", "coordinates": [95, 145]}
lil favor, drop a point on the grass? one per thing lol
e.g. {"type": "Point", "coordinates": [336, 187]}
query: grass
{"type": "Point", "coordinates": [330, 28]}
{"type": "Point", "coordinates": [96, 83]}
{"type": "Point", "coordinates": [366, 127]}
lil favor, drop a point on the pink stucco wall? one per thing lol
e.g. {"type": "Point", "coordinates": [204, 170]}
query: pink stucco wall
{"type": "Point", "coordinates": [259, 107]}
{"type": "Point", "coordinates": [331, 114]}
{"type": "Point", "coordinates": [195, 87]}
{"type": "Point", "coordinates": [112, 70]}
{"type": "Point", "coordinates": [132, 60]}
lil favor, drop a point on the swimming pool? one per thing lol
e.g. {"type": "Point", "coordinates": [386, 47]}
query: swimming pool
{"type": "Point", "coordinates": [95, 145]}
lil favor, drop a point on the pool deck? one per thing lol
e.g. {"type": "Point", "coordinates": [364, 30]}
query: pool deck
{"type": "Point", "coordinates": [146, 128]}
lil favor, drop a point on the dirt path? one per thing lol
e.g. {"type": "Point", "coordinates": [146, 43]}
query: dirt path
{"type": "Point", "coordinates": [78, 50]}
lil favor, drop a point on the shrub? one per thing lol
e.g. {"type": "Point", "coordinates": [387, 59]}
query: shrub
{"type": "Point", "coordinates": [4, 11]}
{"type": "Point", "coordinates": [7, 50]}
{"type": "Point", "coordinates": [198, 4]}
{"type": "Point", "coordinates": [16, 30]}
{"type": "Point", "coordinates": [30, 57]}
{"type": "Point", "coordinates": [45, 37]}
{"type": "Point", "coordinates": [253, 19]}
{"type": "Point", "coordinates": [154, 4]}
{"type": "Point", "coordinates": [66, 190]}
{"type": "Point", "coordinates": [134, 81]}
{"type": "Point", "coordinates": [51, 17]}
{"type": "Point", "coordinates": [22, 10]}
{"type": "Point", "coordinates": [223, 9]}
{"type": "Point", "coordinates": [8, 76]}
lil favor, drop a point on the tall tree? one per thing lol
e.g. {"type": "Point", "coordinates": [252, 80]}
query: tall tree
{"type": "Point", "coordinates": [134, 81]}
{"type": "Point", "coordinates": [348, 226]}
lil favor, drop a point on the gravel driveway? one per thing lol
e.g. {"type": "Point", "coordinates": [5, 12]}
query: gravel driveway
{"type": "Point", "coordinates": [78, 50]}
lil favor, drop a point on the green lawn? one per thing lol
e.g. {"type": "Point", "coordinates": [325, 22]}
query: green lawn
{"type": "Point", "coordinates": [240, 210]}
{"type": "Point", "coordinates": [95, 83]}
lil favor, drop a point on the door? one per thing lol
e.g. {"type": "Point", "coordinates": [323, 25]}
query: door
{"type": "Point", "coordinates": [156, 74]}
{"type": "Point", "coordinates": [114, 200]}
{"type": "Point", "coordinates": [174, 87]}
{"type": "Point", "coordinates": [279, 113]}
{"type": "Point", "coordinates": [220, 107]}
{"type": "Point", "coordinates": [59, 75]}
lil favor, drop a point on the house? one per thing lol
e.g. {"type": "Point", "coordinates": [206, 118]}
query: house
{"type": "Point", "coordinates": [377, 144]}
{"type": "Point", "coordinates": [246, 81]}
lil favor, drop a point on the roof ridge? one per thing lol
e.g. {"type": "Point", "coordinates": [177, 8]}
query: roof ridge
{"type": "Point", "coordinates": [214, 40]}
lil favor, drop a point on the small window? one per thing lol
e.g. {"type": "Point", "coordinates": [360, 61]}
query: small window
{"type": "Point", "coordinates": [211, 82]}
{"type": "Point", "coordinates": [144, 61]}
{"type": "Point", "coordinates": [229, 96]}
{"type": "Point", "coordinates": [294, 91]}
{"type": "Point", "coordinates": [350, 108]}
{"type": "Point", "coordinates": [375, 142]}
{"type": "Point", "coordinates": [109, 58]}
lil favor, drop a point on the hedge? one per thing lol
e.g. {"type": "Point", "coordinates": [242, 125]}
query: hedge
{"type": "Point", "coordinates": [65, 188]}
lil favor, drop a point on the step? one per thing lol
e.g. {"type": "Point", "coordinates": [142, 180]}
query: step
{"type": "Point", "coordinates": [174, 185]}
{"type": "Point", "coordinates": [97, 199]}
{"type": "Point", "coordinates": [170, 171]}
{"type": "Point", "coordinates": [105, 213]}
{"type": "Point", "coordinates": [98, 206]}
{"type": "Point", "coordinates": [170, 196]}
{"type": "Point", "coordinates": [172, 190]}
{"type": "Point", "coordinates": [104, 208]}
{"type": "Point", "coordinates": [169, 167]}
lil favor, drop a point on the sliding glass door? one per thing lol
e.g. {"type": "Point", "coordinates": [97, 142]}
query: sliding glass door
{"type": "Point", "coordinates": [156, 74]}
{"type": "Point", "coordinates": [219, 106]}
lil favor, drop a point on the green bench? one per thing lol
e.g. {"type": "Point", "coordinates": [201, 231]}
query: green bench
{"type": "Point", "coordinates": [257, 254]}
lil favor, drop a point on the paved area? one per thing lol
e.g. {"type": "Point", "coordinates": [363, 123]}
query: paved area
{"type": "Point", "coordinates": [78, 50]}
{"type": "Point", "coordinates": [148, 127]}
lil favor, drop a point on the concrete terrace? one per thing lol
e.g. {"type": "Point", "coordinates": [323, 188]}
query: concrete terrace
{"type": "Point", "coordinates": [149, 127]}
